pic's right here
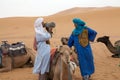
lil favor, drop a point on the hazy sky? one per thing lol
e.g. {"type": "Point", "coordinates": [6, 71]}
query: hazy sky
{"type": "Point", "coordinates": [13, 8]}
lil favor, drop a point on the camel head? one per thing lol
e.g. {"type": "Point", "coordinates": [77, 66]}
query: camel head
{"type": "Point", "coordinates": [65, 51]}
{"type": "Point", "coordinates": [64, 40]}
{"type": "Point", "coordinates": [103, 39]}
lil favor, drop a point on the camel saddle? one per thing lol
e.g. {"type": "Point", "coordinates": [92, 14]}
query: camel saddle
{"type": "Point", "coordinates": [17, 49]}
{"type": "Point", "coordinates": [54, 55]}
{"type": "Point", "coordinates": [83, 38]}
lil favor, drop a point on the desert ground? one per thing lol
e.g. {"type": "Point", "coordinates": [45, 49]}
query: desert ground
{"type": "Point", "coordinates": [105, 20]}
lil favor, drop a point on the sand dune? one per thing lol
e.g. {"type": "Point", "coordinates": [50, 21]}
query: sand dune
{"type": "Point", "coordinates": [104, 20]}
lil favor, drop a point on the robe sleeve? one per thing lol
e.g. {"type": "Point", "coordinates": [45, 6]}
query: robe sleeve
{"type": "Point", "coordinates": [41, 38]}
{"type": "Point", "coordinates": [70, 41]}
{"type": "Point", "coordinates": [91, 34]}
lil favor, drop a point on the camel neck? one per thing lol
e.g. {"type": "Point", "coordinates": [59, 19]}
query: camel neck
{"type": "Point", "coordinates": [111, 48]}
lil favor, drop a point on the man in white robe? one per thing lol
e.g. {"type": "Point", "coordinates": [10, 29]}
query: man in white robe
{"type": "Point", "coordinates": [42, 60]}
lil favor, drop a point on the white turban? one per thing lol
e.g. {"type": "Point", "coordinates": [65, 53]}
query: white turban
{"type": "Point", "coordinates": [38, 26]}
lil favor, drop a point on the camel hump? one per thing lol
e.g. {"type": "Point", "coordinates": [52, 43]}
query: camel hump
{"type": "Point", "coordinates": [117, 43]}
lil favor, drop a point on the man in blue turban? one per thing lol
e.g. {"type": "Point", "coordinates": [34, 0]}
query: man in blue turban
{"type": "Point", "coordinates": [80, 38]}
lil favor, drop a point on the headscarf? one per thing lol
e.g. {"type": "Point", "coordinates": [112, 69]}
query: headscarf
{"type": "Point", "coordinates": [80, 26]}
{"type": "Point", "coordinates": [38, 26]}
{"type": "Point", "coordinates": [50, 24]}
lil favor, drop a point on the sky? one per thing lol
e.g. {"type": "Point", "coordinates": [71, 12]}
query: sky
{"type": "Point", "coordinates": [18, 8]}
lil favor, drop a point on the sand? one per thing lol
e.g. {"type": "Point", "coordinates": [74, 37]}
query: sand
{"type": "Point", "coordinates": [105, 20]}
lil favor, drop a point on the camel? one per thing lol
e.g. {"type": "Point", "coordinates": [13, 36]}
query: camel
{"type": "Point", "coordinates": [9, 63]}
{"type": "Point", "coordinates": [61, 64]}
{"type": "Point", "coordinates": [115, 50]}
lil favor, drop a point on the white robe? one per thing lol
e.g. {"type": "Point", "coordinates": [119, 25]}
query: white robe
{"type": "Point", "coordinates": [42, 60]}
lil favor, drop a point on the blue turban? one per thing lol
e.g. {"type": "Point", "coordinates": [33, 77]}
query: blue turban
{"type": "Point", "coordinates": [80, 26]}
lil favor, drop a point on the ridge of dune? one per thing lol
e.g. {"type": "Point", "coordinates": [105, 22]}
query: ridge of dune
{"type": "Point", "coordinates": [82, 10]}
{"type": "Point", "coordinates": [75, 10]}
